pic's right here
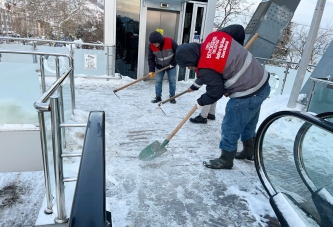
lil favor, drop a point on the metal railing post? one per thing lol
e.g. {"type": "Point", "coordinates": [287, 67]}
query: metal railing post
{"type": "Point", "coordinates": [72, 85]}
{"type": "Point", "coordinates": [107, 61]}
{"type": "Point", "coordinates": [46, 167]}
{"type": "Point", "coordinates": [61, 106]}
{"type": "Point", "coordinates": [42, 73]}
{"type": "Point", "coordinates": [58, 163]}
{"type": "Point", "coordinates": [34, 48]}
{"type": "Point", "coordinates": [310, 97]}
{"type": "Point", "coordinates": [285, 78]}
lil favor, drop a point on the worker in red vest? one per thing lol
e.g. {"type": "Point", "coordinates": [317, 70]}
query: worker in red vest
{"type": "Point", "coordinates": [162, 51]}
{"type": "Point", "coordinates": [227, 68]}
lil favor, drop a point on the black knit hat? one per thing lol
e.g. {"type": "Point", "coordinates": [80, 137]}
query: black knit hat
{"type": "Point", "coordinates": [156, 37]}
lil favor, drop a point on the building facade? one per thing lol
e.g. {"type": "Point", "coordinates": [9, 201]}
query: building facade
{"type": "Point", "coordinates": [183, 21]}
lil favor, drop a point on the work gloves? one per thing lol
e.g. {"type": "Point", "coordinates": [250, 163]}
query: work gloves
{"type": "Point", "coordinates": [151, 74]}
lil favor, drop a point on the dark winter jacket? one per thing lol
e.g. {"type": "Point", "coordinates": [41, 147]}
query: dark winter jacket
{"type": "Point", "coordinates": [164, 55]}
{"type": "Point", "coordinates": [223, 65]}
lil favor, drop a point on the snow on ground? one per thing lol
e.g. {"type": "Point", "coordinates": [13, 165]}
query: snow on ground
{"type": "Point", "coordinates": [174, 189]}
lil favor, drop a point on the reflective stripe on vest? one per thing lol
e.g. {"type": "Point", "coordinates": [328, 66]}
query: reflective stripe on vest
{"type": "Point", "coordinates": [251, 90]}
{"type": "Point", "coordinates": [164, 56]}
{"type": "Point", "coordinates": [233, 79]}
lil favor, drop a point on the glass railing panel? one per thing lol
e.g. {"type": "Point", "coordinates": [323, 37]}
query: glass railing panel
{"type": "Point", "coordinates": [317, 156]}
{"type": "Point", "coordinates": [18, 58]}
{"type": "Point", "coordinates": [279, 163]}
{"type": "Point", "coordinates": [19, 89]}
{"type": "Point", "coordinates": [280, 73]}
{"type": "Point", "coordinates": [322, 98]}
{"type": "Point", "coordinates": [90, 62]}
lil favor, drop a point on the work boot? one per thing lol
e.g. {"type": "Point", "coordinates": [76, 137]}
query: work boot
{"type": "Point", "coordinates": [198, 120]}
{"type": "Point", "coordinates": [211, 116]}
{"type": "Point", "coordinates": [156, 99]}
{"type": "Point", "coordinates": [248, 150]}
{"type": "Point", "coordinates": [225, 161]}
{"type": "Point", "coordinates": [173, 101]}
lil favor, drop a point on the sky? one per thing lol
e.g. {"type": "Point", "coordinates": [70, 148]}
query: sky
{"type": "Point", "coordinates": [174, 189]}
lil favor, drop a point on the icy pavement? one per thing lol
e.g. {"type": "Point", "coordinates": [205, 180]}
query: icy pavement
{"type": "Point", "coordinates": [175, 189]}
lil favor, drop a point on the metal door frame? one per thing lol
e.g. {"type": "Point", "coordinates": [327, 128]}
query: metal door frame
{"type": "Point", "coordinates": [196, 5]}
{"type": "Point", "coordinates": [142, 36]}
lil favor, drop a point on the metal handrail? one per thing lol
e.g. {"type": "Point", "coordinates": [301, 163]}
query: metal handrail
{"type": "Point", "coordinates": [54, 41]}
{"type": "Point", "coordinates": [71, 64]}
{"type": "Point", "coordinates": [286, 72]}
{"type": "Point", "coordinates": [41, 104]}
{"type": "Point", "coordinates": [315, 80]}
{"type": "Point", "coordinates": [282, 61]}
{"type": "Point", "coordinates": [322, 81]}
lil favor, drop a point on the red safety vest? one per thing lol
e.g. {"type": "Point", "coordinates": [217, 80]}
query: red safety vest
{"type": "Point", "coordinates": [214, 51]}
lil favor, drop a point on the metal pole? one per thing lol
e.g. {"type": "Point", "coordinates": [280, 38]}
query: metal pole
{"type": "Point", "coordinates": [42, 73]}
{"type": "Point", "coordinates": [58, 163]}
{"type": "Point", "coordinates": [71, 64]}
{"type": "Point", "coordinates": [307, 53]}
{"type": "Point", "coordinates": [284, 79]}
{"type": "Point", "coordinates": [46, 167]}
{"type": "Point", "coordinates": [311, 94]}
{"type": "Point", "coordinates": [61, 106]}
{"type": "Point", "coordinates": [108, 61]}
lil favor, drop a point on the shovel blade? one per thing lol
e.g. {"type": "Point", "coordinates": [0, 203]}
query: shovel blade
{"type": "Point", "coordinates": [153, 151]}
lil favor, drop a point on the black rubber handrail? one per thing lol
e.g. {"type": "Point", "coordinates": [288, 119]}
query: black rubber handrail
{"type": "Point", "coordinates": [298, 157]}
{"type": "Point", "coordinates": [311, 119]}
{"type": "Point", "coordinates": [88, 208]}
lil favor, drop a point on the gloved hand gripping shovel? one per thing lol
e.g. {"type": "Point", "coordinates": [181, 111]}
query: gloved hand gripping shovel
{"type": "Point", "coordinates": [173, 97]}
{"type": "Point", "coordinates": [156, 149]}
{"type": "Point", "coordinates": [138, 80]}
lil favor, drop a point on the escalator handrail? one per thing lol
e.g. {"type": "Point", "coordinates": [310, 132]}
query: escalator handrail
{"type": "Point", "coordinates": [258, 158]}
{"type": "Point", "coordinates": [298, 152]}
{"type": "Point", "coordinates": [88, 207]}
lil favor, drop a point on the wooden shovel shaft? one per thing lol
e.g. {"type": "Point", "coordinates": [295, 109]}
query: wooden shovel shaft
{"type": "Point", "coordinates": [173, 97]}
{"type": "Point", "coordinates": [145, 77]}
{"type": "Point", "coordinates": [182, 122]}
{"type": "Point", "coordinates": [195, 107]}
{"type": "Point", "coordinates": [249, 43]}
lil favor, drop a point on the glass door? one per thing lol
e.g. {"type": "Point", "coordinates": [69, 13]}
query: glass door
{"type": "Point", "coordinates": [193, 24]}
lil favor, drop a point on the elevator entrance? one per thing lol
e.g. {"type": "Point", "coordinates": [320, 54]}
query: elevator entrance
{"type": "Point", "coordinates": [164, 21]}
{"type": "Point", "coordinates": [183, 21]}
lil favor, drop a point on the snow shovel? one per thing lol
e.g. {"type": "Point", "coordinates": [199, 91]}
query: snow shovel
{"type": "Point", "coordinates": [156, 149]}
{"type": "Point", "coordinates": [173, 97]}
{"type": "Point", "coordinates": [145, 77]}
{"type": "Point", "coordinates": [249, 43]}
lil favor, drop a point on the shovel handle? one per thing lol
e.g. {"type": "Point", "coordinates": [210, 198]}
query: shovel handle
{"type": "Point", "coordinates": [195, 107]}
{"type": "Point", "coordinates": [145, 77]}
{"type": "Point", "coordinates": [173, 97]}
{"type": "Point", "coordinates": [249, 43]}
{"type": "Point", "coordinates": [182, 122]}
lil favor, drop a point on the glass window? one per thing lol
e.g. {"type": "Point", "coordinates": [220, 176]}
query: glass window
{"type": "Point", "coordinates": [127, 37]}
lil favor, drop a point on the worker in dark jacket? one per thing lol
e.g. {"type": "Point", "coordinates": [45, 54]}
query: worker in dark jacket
{"type": "Point", "coordinates": [162, 53]}
{"type": "Point", "coordinates": [227, 68]}
{"type": "Point", "coordinates": [208, 111]}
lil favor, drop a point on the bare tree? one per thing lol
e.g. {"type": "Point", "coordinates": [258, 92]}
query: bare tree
{"type": "Point", "coordinates": [292, 47]}
{"type": "Point", "coordinates": [62, 17]}
{"type": "Point", "coordinates": [228, 11]}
